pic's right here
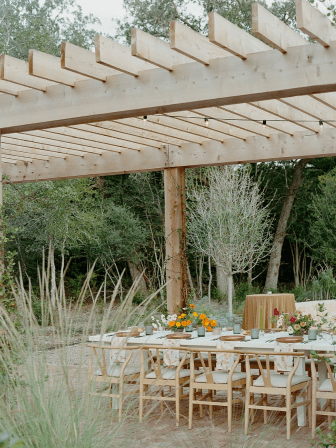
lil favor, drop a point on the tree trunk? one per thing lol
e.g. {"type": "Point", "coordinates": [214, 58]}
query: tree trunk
{"type": "Point", "coordinates": [210, 280]}
{"type": "Point", "coordinates": [53, 273]}
{"type": "Point", "coordinates": [230, 292]}
{"type": "Point", "coordinates": [222, 280]}
{"type": "Point", "coordinates": [274, 263]}
{"type": "Point", "coordinates": [135, 274]}
{"type": "Point", "coordinates": [249, 275]}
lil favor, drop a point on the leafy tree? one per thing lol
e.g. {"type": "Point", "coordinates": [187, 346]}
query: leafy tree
{"type": "Point", "coordinates": [26, 24]}
{"type": "Point", "coordinates": [228, 222]}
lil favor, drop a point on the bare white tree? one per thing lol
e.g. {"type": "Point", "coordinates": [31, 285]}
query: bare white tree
{"type": "Point", "coordinates": [228, 221]}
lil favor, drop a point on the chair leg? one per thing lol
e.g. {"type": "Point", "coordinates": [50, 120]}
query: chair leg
{"type": "Point", "coordinates": [265, 410]}
{"type": "Point", "coordinates": [314, 409]}
{"type": "Point", "coordinates": [309, 397]}
{"type": "Point", "coordinates": [121, 393]}
{"type": "Point", "coordinates": [177, 398]}
{"type": "Point", "coordinates": [191, 397]}
{"type": "Point", "coordinates": [229, 398]}
{"type": "Point", "coordinates": [141, 401]}
{"type": "Point", "coordinates": [161, 404]}
{"type": "Point", "coordinates": [288, 415]}
{"type": "Point", "coordinates": [247, 410]}
{"type": "Point", "coordinates": [211, 407]}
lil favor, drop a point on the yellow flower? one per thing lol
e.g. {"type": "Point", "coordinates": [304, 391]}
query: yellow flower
{"type": "Point", "coordinates": [188, 322]}
{"type": "Point", "coordinates": [209, 328]}
{"type": "Point", "coordinates": [184, 323]}
{"type": "Point", "coordinates": [171, 323]}
{"type": "Point", "coordinates": [179, 317]}
{"type": "Point", "coordinates": [183, 315]}
{"type": "Point", "coordinates": [213, 323]}
{"type": "Point", "coordinates": [195, 314]}
{"type": "Point", "coordinates": [202, 316]}
{"type": "Point", "coordinates": [178, 324]}
{"type": "Point", "coordinates": [303, 324]}
{"type": "Point", "coordinates": [192, 306]}
{"type": "Point", "coordinates": [206, 321]}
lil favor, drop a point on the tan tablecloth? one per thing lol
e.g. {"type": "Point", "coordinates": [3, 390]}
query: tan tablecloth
{"type": "Point", "coordinates": [283, 302]}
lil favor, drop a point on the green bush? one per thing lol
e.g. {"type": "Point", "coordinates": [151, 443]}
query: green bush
{"type": "Point", "coordinates": [245, 289]}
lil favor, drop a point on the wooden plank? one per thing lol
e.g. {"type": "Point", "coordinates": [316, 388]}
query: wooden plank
{"type": "Point", "coordinates": [17, 71]}
{"type": "Point", "coordinates": [285, 112]}
{"type": "Point", "coordinates": [314, 23]}
{"type": "Point", "coordinates": [304, 70]}
{"type": "Point", "coordinates": [232, 38]}
{"type": "Point", "coordinates": [192, 44]}
{"type": "Point", "coordinates": [254, 149]}
{"type": "Point", "coordinates": [21, 153]}
{"type": "Point", "coordinates": [10, 88]}
{"type": "Point", "coordinates": [28, 150]}
{"type": "Point", "coordinates": [272, 30]}
{"type": "Point", "coordinates": [57, 140]}
{"type": "Point", "coordinates": [45, 148]}
{"type": "Point", "coordinates": [313, 108]}
{"type": "Point", "coordinates": [175, 233]}
{"type": "Point", "coordinates": [82, 61]}
{"type": "Point", "coordinates": [46, 66]}
{"type": "Point", "coordinates": [154, 50]}
{"type": "Point", "coordinates": [117, 56]}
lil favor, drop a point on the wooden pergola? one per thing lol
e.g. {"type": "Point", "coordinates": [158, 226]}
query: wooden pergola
{"type": "Point", "coordinates": [196, 101]}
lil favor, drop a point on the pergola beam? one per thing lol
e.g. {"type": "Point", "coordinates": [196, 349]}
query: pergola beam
{"type": "Point", "coordinates": [302, 70]}
{"type": "Point", "coordinates": [254, 149]}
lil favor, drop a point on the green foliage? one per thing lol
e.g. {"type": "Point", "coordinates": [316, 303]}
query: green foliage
{"type": "Point", "coordinates": [217, 295]}
{"type": "Point", "coordinates": [7, 440]}
{"type": "Point", "coordinates": [26, 24]}
{"type": "Point", "coordinates": [326, 440]}
{"type": "Point", "coordinates": [244, 289]}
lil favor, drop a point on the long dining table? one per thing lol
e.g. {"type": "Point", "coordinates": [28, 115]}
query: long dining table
{"type": "Point", "coordinates": [324, 343]}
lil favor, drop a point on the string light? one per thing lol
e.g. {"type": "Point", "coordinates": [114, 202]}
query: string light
{"type": "Point", "coordinates": [206, 121]}
{"type": "Point", "coordinates": [321, 125]}
{"type": "Point", "coordinates": [264, 124]}
{"type": "Point", "coordinates": [145, 118]}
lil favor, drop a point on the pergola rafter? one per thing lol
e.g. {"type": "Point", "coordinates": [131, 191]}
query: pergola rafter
{"type": "Point", "coordinates": [223, 99]}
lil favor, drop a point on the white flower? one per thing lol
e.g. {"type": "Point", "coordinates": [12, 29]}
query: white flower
{"type": "Point", "coordinates": [152, 317]}
{"type": "Point", "coordinates": [155, 326]}
{"type": "Point", "coordinates": [290, 330]}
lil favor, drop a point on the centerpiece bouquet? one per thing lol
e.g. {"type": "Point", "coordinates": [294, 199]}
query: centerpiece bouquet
{"type": "Point", "coordinates": [201, 320]}
{"type": "Point", "coordinates": [295, 323]}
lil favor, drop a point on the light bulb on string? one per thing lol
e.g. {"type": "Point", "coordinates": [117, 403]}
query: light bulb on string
{"type": "Point", "coordinates": [145, 118]}
{"type": "Point", "coordinates": [206, 121]}
{"type": "Point", "coordinates": [264, 124]}
{"type": "Point", "coordinates": [321, 125]}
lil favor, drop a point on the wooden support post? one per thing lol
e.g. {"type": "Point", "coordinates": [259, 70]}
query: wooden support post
{"type": "Point", "coordinates": [2, 255]}
{"type": "Point", "coordinates": [175, 231]}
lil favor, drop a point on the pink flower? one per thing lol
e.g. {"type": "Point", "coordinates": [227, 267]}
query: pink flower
{"type": "Point", "coordinates": [276, 312]}
{"type": "Point", "coordinates": [292, 319]}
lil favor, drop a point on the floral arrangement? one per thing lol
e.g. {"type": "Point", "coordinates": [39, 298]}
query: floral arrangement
{"type": "Point", "coordinates": [200, 319]}
{"type": "Point", "coordinates": [295, 323]}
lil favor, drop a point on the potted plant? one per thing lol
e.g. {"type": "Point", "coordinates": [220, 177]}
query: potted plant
{"type": "Point", "coordinates": [202, 322]}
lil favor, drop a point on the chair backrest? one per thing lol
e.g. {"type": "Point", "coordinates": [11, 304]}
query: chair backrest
{"type": "Point", "coordinates": [325, 359]}
{"type": "Point", "coordinates": [151, 358]}
{"type": "Point", "coordinates": [225, 359]}
{"type": "Point", "coordinates": [171, 352]}
{"type": "Point", "coordinates": [102, 355]}
{"type": "Point", "coordinates": [265, 367]}
{"type": "Point", "coordinates": [228, 359]}
{"type": "Point", "coordinates": [283, 363]}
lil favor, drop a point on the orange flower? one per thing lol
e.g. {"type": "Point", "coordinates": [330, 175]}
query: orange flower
{"type": "Point", "coordinates": [184, 323]}
{"type": "Point", "coordinates": [178, 324]}
{"type": "Point", "coordinates": [195, 314]}
{"type": "Point", "coordinates": [202, 316]}
{"type": "Point", "coordinates": [179, 317]}
{"type": "Point", "coordinates": [171, 323]}
{"type": "Point", "coordinates": [188, 322]}
{"type": "Point", "coordinates": [192, 306]}
{"type": "Point", "coordinates": [203, 323]}
{"type": "Point", "coordinates": [206, 322]}
{"type": "Point", "coordinates": [209, 328]}
{"type": "Point", "coordinates": [213, 323]}
{"type": "Point", "coordinates": [183, 315]}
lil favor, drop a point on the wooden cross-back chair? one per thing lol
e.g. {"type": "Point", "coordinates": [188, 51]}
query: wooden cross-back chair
{"type": "Point", "coordinates": [325, 390]}
{"type": "Point", "coordinates": [155, 372]}
{"type": "Point", "coordinates": [270, 382]}
{"type": "Point", "coordinates": [103, 371]}
{"type": "Point", "coordinates": [211, 380]}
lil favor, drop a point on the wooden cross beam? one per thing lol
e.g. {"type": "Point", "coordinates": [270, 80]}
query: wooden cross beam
{"type": "Point", "coordinates": [305, 144]}
{"type": "Point", "coordinates": [302, 70]}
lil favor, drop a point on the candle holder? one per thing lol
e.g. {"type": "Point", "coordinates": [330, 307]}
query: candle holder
{"type": "Point", "coordinates": [149, 329]}
{"type": "Point", "coordinates": [255, 333]}
{"type": "Point", "coordinates": [236, 328]}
